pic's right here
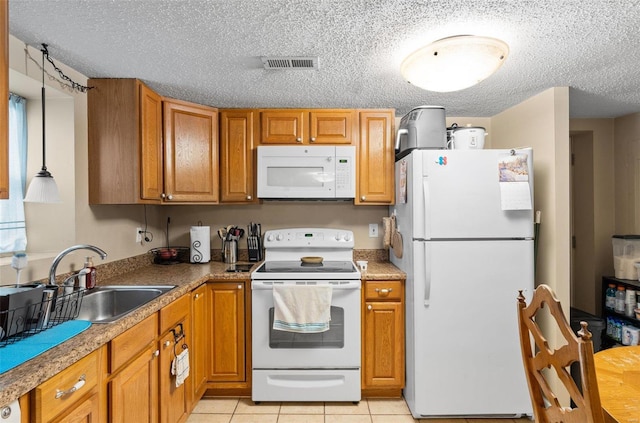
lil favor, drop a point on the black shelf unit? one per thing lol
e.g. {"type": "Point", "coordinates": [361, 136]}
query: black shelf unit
{"type": "Point", "coordinates": [607, 341]}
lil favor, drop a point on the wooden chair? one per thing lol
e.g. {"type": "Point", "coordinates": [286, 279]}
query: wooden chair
{"type": "Point", "coordinates": [578, 349]}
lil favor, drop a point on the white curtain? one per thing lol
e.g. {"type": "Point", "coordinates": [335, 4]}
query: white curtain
{"type": "Point", "coordinates": [13, 235]}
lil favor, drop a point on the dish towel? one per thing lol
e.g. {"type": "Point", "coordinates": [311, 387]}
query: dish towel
{"type": "Point", "coordinates": [180, 367]}
{"type": "Point", "coordinates": [302, 308]}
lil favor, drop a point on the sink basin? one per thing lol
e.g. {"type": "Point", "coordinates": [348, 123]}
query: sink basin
{"type": "Point", "coordinates": [106, 304]}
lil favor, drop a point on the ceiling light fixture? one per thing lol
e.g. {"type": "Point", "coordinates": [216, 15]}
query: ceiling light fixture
{"type": "Point", "coordinates": [454, 63]}
{"type": "Point", "coordinates": [43, 188]}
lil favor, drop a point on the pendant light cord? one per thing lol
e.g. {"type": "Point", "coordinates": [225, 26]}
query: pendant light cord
{"type": "Point", "coordinates": [44, 166]}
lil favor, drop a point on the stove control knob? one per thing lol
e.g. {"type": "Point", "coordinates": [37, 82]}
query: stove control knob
{"type": "Point", "coordinates": [270, 238]}
{"type": "Point", "coordinates": [280, 237]}
{"type": "Point", "coordinates": [347, 237]}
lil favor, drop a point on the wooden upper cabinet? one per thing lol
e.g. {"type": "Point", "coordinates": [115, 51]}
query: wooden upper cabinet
{"type": "Point", "coordinates": [376, 173]}
{"type": "Point", "coordinates": [237, 176]}
{"type": "Point", "coordinates": [125, 142]}
{"type": "Point", "coordinates": [191, 152]}
{"type": "Point", "coordinates": [151, 152]}
{"type": "Point", "coordinates": [4, 105]}
{"type": "Point", "coordinates": [304, 126]}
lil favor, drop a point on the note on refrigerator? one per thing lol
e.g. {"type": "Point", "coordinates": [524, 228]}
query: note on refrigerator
{"type": "Point", "coordinates": [515, 192]}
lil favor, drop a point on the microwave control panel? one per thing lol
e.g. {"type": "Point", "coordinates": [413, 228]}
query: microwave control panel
{"type": "Point", "coordinates": [345, 171]}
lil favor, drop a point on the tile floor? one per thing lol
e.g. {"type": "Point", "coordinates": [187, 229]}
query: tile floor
{"type": "Point", "coordinates": [243, 410]}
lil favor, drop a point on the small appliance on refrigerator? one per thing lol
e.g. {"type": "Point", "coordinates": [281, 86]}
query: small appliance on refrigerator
{"type": "Point", "coordinates": [466, 221]}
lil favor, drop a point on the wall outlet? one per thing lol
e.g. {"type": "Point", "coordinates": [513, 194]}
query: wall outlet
{"type": "Point", "coordinates": [373, 230]}
{"type": "Point", "coordinates": [138, 235]}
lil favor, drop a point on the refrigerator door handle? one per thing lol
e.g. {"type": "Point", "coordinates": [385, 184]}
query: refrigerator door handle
{"type": "Point", "coordinates": [427, 274]}
{"type": "Point", "coordinates": [425, 222]}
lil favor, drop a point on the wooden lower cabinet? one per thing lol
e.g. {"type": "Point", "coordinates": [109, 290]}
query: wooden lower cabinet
{"type": "Point", "coordinates": [133, 392]}
{"type": "Point", "coordinates": [56, 401]}
{"type": "Point", "coordinates": [383, 338]}
{"type": "Point", "coordinates": [199, 341]}
{"type": "Point", "coordinates": [175, 401]}
{"type": "Point", "coordinates": [228, 361]}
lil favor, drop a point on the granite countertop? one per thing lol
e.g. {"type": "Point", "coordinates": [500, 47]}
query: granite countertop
{"type": "Point", "coordinates": [185, 276]}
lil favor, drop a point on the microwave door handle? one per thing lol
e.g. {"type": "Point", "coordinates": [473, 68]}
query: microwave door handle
{"type": "Point", "coordinates": [398, 135]}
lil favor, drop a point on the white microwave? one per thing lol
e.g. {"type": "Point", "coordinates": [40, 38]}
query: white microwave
{"type": "Point", "coordinates": [306, 172]}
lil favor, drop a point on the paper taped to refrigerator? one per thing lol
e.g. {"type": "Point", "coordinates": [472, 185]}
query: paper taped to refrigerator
{"type": "Point", "coordinates": [515, 191]}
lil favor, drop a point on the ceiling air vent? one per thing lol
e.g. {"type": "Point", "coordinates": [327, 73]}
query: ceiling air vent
{"type": "Point", "coordinates": [290, 62]}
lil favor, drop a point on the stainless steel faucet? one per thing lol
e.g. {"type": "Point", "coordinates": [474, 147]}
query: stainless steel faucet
{"type": "Point", "coordinates": [59, 257]}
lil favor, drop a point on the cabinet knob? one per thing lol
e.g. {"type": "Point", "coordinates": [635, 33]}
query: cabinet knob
{"type": "Point", "coordinates": [167, 343]}
{"type": "Point", "coordinates": [298, 139]}
{"type": "Point", "coordinates": [249, 197]}
{"type": "Point", "coordinates": [363, 198]}
{"type": "Point", "coordinates": [196, 296]}
{"type": "Point", "coordinates": [239, 286]}
{"type": "Point", "coordinates": [163, 195]}
{"type": "Point", "coordinates": [156, 353]}
{"type": "Point", "coordinates": [169, 197]}
{"type": "Point", "coordinates": [369, 307]}
{"type": "Point", "coordinates": [313, 139]}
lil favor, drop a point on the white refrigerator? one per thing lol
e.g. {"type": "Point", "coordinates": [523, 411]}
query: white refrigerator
{"type": "Point", "coordinates": [467, 248]}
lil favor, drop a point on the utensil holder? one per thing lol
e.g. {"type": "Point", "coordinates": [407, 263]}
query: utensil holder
{"type": "Point", "coordinates": [230, 251]}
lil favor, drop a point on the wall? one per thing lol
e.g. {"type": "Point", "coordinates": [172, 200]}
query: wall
{"type": "Point", "coordinates": [601, 136]}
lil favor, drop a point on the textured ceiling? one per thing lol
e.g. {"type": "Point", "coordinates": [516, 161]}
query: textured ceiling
{"type": "Point", "coordinates": [208, 51]}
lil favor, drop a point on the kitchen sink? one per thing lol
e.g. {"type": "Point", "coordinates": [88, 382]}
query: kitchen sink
{"type": "Point", "coordinates": [106, 304]}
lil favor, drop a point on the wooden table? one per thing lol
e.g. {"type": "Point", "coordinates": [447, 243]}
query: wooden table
{"type": "Point", "coordinates": [618, 374]}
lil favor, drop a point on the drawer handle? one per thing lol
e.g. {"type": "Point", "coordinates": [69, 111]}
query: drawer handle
{"type": "Point", "coordinates": [79, 384]}
{"type": "Point", "coordinates": [369, 307]}
{"type": "Point", "coordinates": [384, 291]}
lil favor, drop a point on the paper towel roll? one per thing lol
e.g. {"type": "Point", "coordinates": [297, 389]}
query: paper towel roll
{"type": "Point", "coordinates": [200, 244]}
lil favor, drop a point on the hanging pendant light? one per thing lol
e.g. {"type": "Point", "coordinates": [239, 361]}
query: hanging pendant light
{"type": "Point", "coordinates": [43, 188]}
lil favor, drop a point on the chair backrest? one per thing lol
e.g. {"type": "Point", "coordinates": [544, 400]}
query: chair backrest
{"type": "Point", "coordinates": [540, 362]}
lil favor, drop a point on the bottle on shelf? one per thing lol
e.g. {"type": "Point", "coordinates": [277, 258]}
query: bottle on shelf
{"type": "Point", "coordinates": [620, 297]}
{"type": "Point", "coordinates": [610, 300]}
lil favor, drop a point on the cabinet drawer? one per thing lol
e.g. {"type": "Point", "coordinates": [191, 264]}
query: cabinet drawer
{"type": "Point", "coordinates": [173, 313]}
{"type": "Point", "coordinates": [57, 394]}
{"type": "Point", "coordinates": [383, 290]}
{"type": "Point", "coordinates": [127, 345]}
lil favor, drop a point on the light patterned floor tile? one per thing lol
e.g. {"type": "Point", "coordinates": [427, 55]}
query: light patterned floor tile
{"type": "Point", "coordinates": [346, 408]}
{"type": "Point", "coordinates": [396, 418]}
{"type": "Point", "coordinates": [302, 408]}
{"type": "Point", "coordinates": [301, 418]}
{"type": "Point", "coordinates": [246, 406]}
{"type": "Point", "coordinates": [388, 406]}
{"type": "Point", "coordinates": [209, 418]}
{"type": "Point", "coordinates": [216, 405]}
{"type": "Point", "coordinates": [254, 418]}
{"type": "Point", "coordinates": [353, 418]}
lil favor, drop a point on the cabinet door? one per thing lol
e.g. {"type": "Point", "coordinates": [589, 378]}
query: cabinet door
{"type": "Point", "coordinates": [133, 393]}
{"type": "Point", "coordinates": [191, 152]}
{"type": "Point", "coordinates": [4, 105]}
{"type": "Point", "coordinates": [151, 155]}
{"type": "Point", "coordinates": [199, 341]}
{"type": "Point", "coordinates": [282, 126]}
{"type": "Point", "coordinates": [227, 342]}
{"type": "Point", "coordinates": [237, 179]}
{"type": "Point", "coordinates": [332, 126]}
{"type": "Point", "coordinates": [375, 158]}
{"type": "Point", "coordinates": [174, 401]}
{"type": "Point", "coordinates": [383, 362]}
{"type": "Point", "coordinates": [86, 411]}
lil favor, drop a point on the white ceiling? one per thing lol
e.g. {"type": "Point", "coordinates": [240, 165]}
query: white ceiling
{"type": "Point", "coordinates": [208, 51]}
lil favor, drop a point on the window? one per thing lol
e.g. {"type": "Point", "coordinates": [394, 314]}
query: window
{"type": "Point", "coordinates": [13, 236]}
